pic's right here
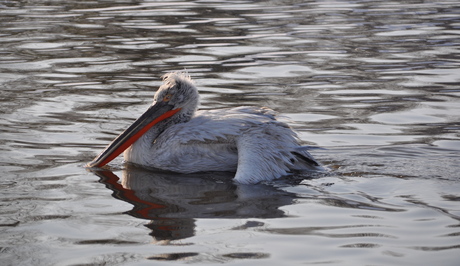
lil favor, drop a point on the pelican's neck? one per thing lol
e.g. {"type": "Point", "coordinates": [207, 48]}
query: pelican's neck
{"type": "Point", "coordinates": [183, 116]}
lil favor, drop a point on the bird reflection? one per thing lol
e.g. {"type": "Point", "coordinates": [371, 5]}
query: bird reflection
{"type": "Point", "coordinates": [173, 201]}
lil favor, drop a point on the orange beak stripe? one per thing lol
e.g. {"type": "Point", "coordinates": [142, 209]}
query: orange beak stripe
{"type": "Point", "coordinates": [135, 137]}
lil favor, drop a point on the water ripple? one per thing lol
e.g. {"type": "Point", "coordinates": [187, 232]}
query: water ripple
{"type": "Point", "coordinates": [374, 83]}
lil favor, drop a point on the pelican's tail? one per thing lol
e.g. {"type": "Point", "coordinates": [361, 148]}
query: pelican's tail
{"type": "Point", "coordinates": [305, 161]}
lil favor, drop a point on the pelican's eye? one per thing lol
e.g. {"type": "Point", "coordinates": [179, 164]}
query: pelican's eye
{"type": "Point", "coordinates": [167, 97]}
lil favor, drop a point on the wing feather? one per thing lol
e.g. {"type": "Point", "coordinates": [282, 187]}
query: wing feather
{"type": "Point", "coordinates": [264, 153]}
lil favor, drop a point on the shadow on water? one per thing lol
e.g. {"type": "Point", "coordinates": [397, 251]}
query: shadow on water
{"type": "Point", "coordinates": [172, 205]}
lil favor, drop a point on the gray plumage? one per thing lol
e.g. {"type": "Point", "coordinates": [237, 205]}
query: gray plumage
{"type": "Point", "coordinates": [246, 140]}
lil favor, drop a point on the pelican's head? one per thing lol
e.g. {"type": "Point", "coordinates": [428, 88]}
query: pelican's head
{"type": "Point", "coordinates": [178, 91]}
{"type": "Point", "coordinates": [176, 100]}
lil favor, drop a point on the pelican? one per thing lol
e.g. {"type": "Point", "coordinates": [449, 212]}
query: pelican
{"type": "Point", "coordinates": [172, 135]}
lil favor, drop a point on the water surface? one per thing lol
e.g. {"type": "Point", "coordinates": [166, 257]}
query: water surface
{"type": "Point", "coordinates": [376, 84]}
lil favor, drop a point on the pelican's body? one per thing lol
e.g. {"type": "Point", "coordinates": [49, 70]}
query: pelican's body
{"type": "Point", "coordinates": [246, 140]}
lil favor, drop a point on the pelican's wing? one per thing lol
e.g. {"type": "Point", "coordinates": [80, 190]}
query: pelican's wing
{"type": "Point", "coordinates": [270, 151]}
{"type": "Point", "coordinates": [220, 125]}
{"type": "Point", "coordinates": [265, 153]}
{"type": "Point", "coordinates": [267, 149]}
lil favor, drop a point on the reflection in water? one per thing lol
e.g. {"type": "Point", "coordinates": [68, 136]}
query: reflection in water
{"type": "Point", "coordinates": [173, 201]}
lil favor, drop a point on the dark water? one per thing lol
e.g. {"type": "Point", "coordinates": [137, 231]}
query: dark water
{"type": "Point", "coordinates": [377, 84]}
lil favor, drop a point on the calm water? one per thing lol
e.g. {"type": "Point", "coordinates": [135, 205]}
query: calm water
{"type": "Point", "coordinates": [376, 84]}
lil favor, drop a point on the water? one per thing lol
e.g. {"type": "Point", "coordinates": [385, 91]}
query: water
{"type": "Point", "coordinates": [374, 83]}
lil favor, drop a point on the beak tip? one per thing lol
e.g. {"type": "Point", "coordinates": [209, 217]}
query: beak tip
{"type": "Point", "coordinates": [92, 164]}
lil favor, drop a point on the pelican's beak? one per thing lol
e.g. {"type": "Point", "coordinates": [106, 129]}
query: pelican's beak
{"type": "Point", "coordinates": [157, 112]}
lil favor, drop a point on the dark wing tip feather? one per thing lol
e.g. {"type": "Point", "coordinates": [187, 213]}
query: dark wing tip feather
{"type": "Point", "coordinates": [305, 158]}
